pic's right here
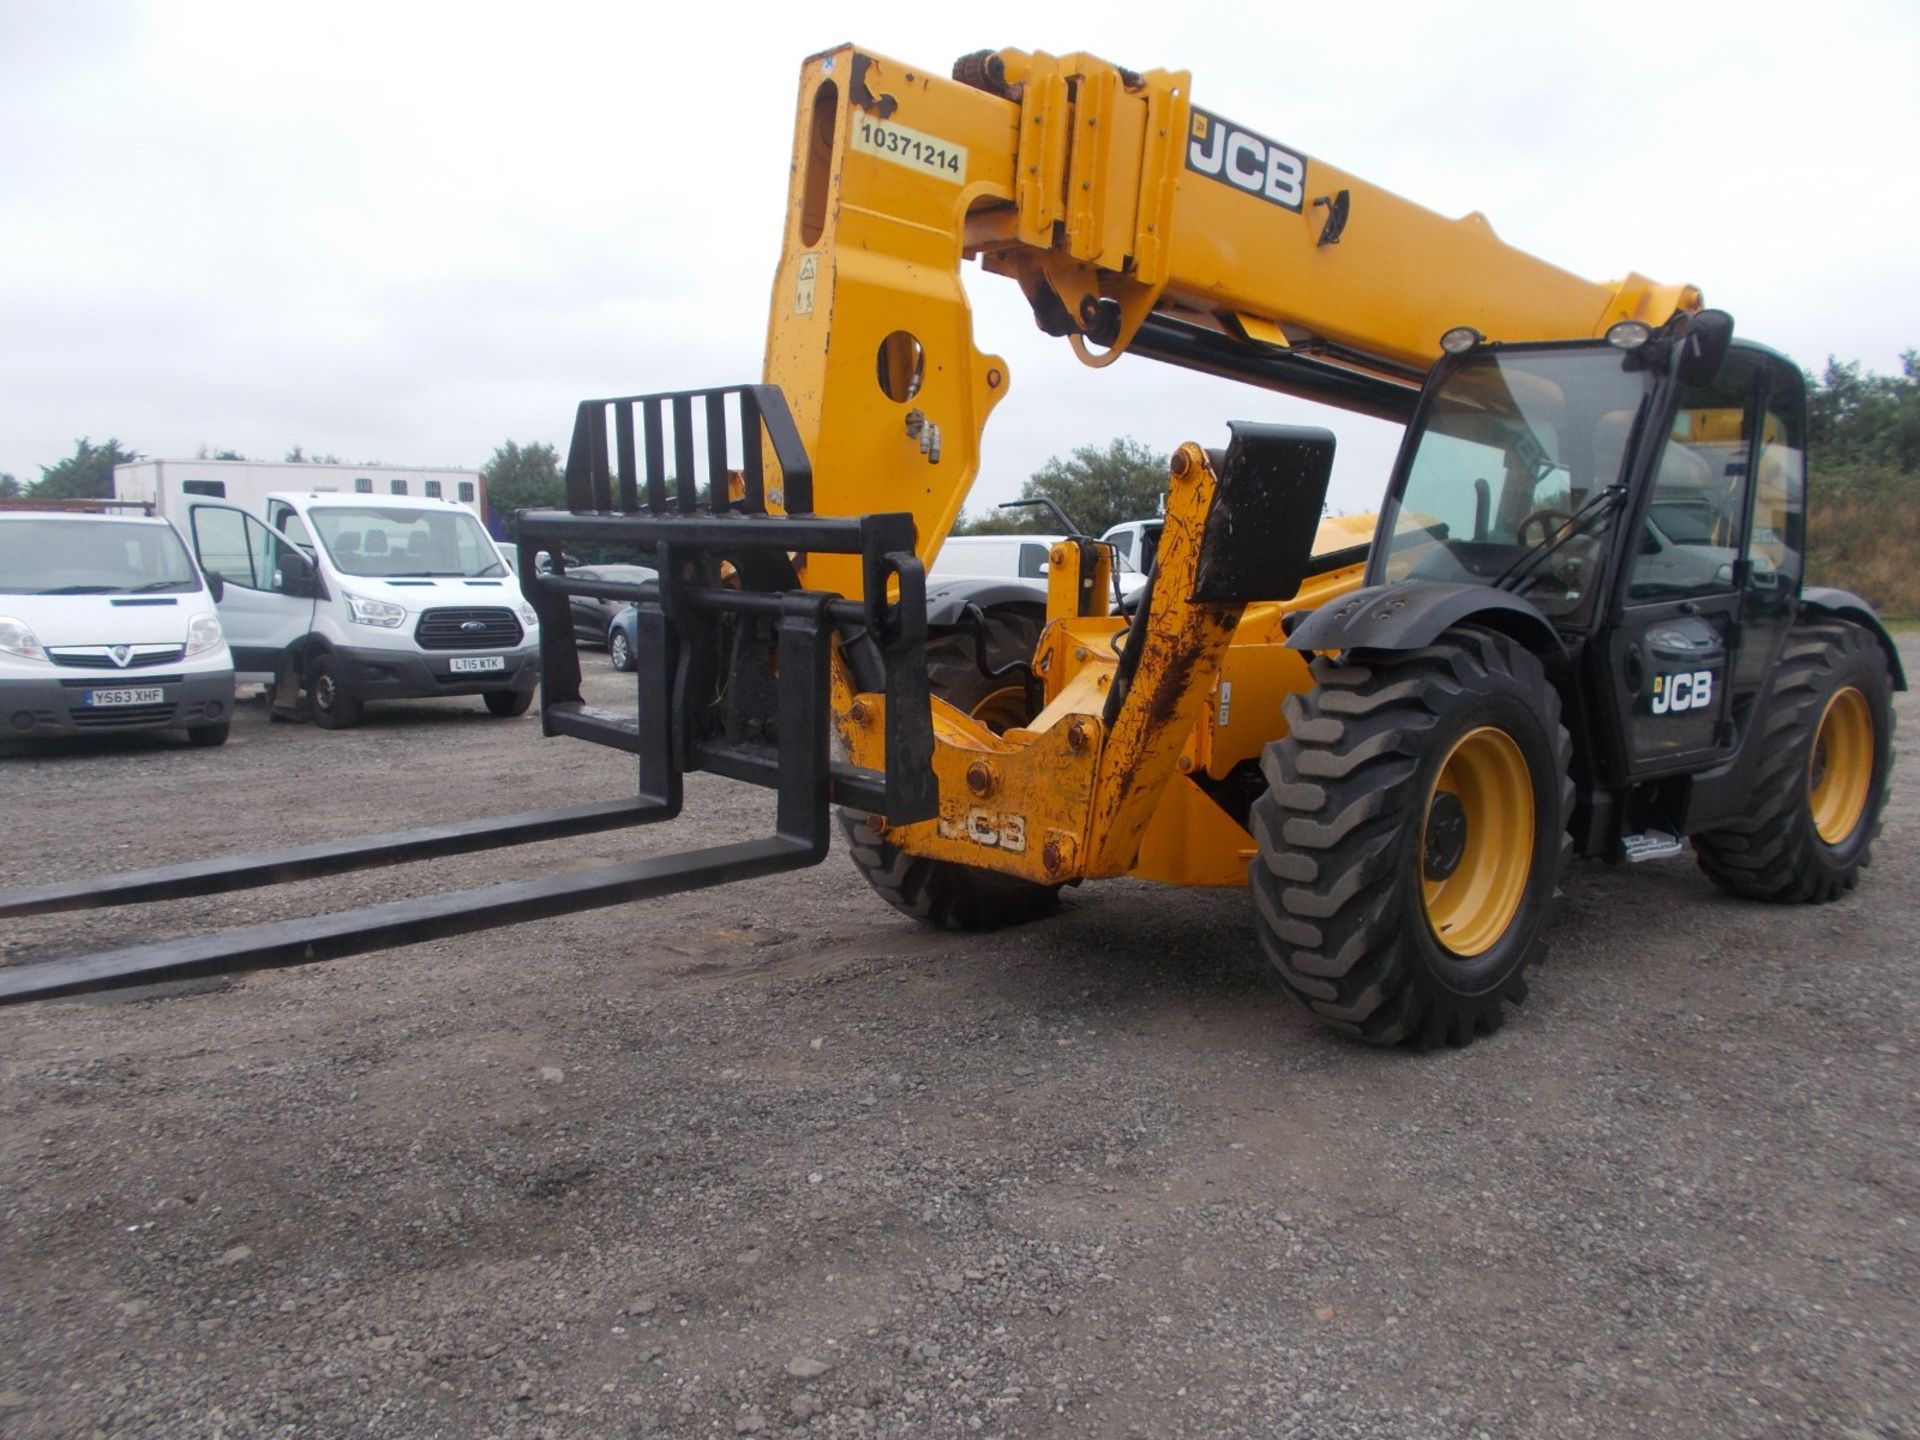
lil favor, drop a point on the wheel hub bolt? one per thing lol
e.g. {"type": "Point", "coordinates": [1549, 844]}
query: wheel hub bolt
{"type": "Point", "coordinates": [1446, 838]}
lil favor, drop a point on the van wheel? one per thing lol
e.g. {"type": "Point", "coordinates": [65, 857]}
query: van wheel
{"type": "Point", "coordinates": [507, 703]}
{"type": "Point", "coordinates": [332, 705]}
{"type": "Point", "coordinates": [207, 736]}
{"type": "Point", "coordinates": [1413, 837]}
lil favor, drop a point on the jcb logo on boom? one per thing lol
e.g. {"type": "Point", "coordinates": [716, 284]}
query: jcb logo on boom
{"type": "Point", "coordinates": [1689, 690]}
{"type": "Point", "coordinates": [1246, 161]}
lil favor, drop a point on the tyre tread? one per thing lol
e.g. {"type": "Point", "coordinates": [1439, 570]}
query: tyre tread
{"type": "Point", "coordinates": [1331, 909]}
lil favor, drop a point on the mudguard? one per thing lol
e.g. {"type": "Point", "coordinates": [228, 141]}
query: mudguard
{"type": "Point", "coordinates": [947, 598]}
{"type": "Point", "coordinates": [1406, 617]}
{"type": "Point", "coordinates": [1845, 605]}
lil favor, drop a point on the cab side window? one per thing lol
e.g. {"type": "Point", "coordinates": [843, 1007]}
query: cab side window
{"type": "Point", "coordinates": [295, 529]}
{"type": "Point", "coordinates": [1777, 538]}
{"type": "Point", "coordinates": [220, 540]}
{"type": "Point", "coordinates": [1694, 525]}
{"type": "Point", "coordinates": [237, 547]}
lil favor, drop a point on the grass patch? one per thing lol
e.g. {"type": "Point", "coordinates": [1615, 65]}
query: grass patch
{"type": "Point", "coordinates": [1869, 544]}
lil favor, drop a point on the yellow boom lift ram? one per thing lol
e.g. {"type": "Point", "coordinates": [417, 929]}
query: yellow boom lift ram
{"type": "Point", "coordinates": [1579, 624]}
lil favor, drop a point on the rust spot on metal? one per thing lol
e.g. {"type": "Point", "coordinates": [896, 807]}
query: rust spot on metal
{"type": "Point", "coordinates": [1179, 466]}
{"type": "Point", "coordinates": [1079, 735]}
{"type": "Point", "coordinates": [1058, 853]}
{"type": "Point", "coordinates": [980, 778]}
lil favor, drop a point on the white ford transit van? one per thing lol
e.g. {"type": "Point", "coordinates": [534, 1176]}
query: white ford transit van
{"type": "Point", "coordinates": [369, 597]}
{"type": "Point", "coordinates": [105, 624]}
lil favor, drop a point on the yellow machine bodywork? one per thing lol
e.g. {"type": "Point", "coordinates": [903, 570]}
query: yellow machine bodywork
{"type": "Point", "coordinates": [1089, 186]}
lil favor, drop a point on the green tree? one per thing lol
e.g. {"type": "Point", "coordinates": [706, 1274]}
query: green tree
{"type": "Point", "coordinates": [1856, 418]}
{"type": "Point", "coordinates": [9, 487]}
{"type": "Point", "coordinates": [87, 474]}
{"type": "Point", "coordinates": [1099, 486]}
{"type": "Point", "coordinates": [523, 477]}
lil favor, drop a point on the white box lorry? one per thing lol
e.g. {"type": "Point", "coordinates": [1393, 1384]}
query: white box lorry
{"type": "Point", "coordinates": [166, 486]}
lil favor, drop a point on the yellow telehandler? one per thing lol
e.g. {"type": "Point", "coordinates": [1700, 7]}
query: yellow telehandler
{"type": "Point", "coordinates": [1576, 626]}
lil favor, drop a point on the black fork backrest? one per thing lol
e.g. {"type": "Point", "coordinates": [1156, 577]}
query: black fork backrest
{"type": "Point", "coordinates": [707, 431]}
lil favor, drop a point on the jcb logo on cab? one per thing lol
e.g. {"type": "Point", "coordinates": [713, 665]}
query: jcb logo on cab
{"type": "Point", "coordinates": [1685, 691]}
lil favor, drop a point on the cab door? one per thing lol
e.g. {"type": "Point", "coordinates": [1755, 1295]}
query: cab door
{"type": "Point", "coordinates": [257, 612]}
{"type": "Point", "coordinates": [1673, 654]}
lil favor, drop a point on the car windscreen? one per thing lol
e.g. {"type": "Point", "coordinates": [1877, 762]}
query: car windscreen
{"type": "Point", "coordinates": [68, 556]}
{"type": "Point", "coordinates": [394, 542]}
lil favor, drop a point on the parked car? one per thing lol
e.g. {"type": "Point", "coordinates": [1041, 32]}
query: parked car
{"type": "Point", "coordinates": [107, 625]}
{"type": "Point", "coordinates": [593, 618]}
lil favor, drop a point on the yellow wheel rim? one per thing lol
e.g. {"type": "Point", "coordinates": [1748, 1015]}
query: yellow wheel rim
{"type": "Point", "coordinates": [1840, 770]}
{"type": "Point", "coordinates": [1477, 842]}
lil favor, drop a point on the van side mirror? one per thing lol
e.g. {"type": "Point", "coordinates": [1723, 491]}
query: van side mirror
{"type": "Point", "coordinates": [294, 574]}
{"type": "Point", "coordinates": [216, 586]}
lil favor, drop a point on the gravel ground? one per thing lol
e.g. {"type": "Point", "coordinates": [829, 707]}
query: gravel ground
{"type": "Point", "coordinates": [770, 1159]}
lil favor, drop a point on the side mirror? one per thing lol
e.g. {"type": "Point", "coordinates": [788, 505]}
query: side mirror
{"type": "Point", "coordinates": [1704, 347]}
{"type": "Point", "coordinates": [294, 574]}
{"type": "Point", "coordinates": [216, 586]}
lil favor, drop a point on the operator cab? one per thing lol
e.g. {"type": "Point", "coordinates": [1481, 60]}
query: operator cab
{"type": "Point", "coordinates": [1649, 505]}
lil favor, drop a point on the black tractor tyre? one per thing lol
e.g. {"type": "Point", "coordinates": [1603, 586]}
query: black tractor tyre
{"type": "Point", "coordinates": [619, 652]}
{"type": "Point", "coordinates": [1820, 791]}
{"type": "Point", "coordinates": [1413, 837]}
{"type": "Point", "coordinates": [330, 703]}
{"type": "Point", "coordinates": [955, 675]}
{"type": "Point", "coordinates": [508, 703]}
{"type": "Point", "coordinates": [944, 893]}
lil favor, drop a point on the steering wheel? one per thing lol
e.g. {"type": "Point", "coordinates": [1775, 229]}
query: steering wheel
{"type": "Point", "coordinates": [1549, 521]}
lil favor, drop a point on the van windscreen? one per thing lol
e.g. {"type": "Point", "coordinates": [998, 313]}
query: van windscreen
{"type": "Point", "coordinates": [393, 541]}
{"type": "Point", "coordinates": [70, 556]}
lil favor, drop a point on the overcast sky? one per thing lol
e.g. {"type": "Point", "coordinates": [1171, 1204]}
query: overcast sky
{"type": "Point", "coordinates": [408, 233]}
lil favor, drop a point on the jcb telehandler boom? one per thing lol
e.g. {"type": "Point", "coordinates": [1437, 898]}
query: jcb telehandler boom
{"type": "Point", "coordinates": [1579, 624]}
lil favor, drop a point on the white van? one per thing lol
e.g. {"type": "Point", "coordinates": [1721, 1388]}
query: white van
{"type": "Point", "coordinates": [1017, 557]}
{"type": "Point", "coordinates": [106, 625]}
{"type": "Point", "coordinates": [369, 597]}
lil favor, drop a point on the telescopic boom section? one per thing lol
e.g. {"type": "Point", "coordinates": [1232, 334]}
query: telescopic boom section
{"type": "Point", "coordinates": [1133, 219]}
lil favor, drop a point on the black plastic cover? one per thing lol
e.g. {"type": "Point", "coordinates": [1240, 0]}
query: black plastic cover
{"type": "Point", "coordinates": [1258, 541]}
